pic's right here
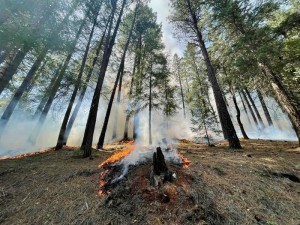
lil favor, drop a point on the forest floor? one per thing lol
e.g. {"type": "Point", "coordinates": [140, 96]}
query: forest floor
{"type": "Point", "coordinates": [257, 185]}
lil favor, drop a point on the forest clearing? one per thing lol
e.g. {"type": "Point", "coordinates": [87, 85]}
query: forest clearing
{"type": "Point", "coordinates": [150, 112]}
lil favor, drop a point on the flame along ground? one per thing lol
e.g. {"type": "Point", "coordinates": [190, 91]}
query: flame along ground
{"type": "Point", "coordinates": [118, 156]}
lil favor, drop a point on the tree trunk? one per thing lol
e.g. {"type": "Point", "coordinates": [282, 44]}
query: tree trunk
{"type": "Point", "coordinates": [221, 106]}
{"type": "Point", "coordinates": [255, 108]}
{"type": "Point", "coordinates": [150, 110]}
{"type": "Point", "coordinates": [107, 115]}
{"type": "Point", "coordinates": [264, 106]}
{"type": "Point", "coordinates": [11, 69]}
{"type": "Point", "coordinates": [128, 110]}
{"type": "Point", "coordinates": [238, 116]}
{"type": "Point", "coordinates": [114, 135]}
{"type": "Point", "coordinates": [182, 95]}
{"type": "Point", "coordinates": [55, 87]}
{"type": "Point", "coordinates": [119, 74]}
{"type": "Point", "coordinates": [244, 106]}
{"type": "Point", "coordinates": [25, 84]}
{"type": "Point", "coordinates": [91, 122]}
{"type": "Point", "coordinates": [83, 90]}
{"type": "Point", "coordinates": [250, 108]}
{"type": "Point", "coordinates": [61, 136]}
{"type": "Point", "coordinates": [284, 99]}
{"type": "Point", "coordinates": [47, 93]}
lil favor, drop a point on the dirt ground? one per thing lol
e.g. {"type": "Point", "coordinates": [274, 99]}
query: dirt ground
{"type": "Point", "coordinates": [258, 185]}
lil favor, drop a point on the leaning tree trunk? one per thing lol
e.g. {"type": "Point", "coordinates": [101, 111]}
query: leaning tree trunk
{"type": "Point", "coordinates": [284, 99]}
{"type": "Point", "coordinates": [11, 69]}
{"type": "Point", "coordinates": [55, 87]}
{"type": "Point", "coordinates": [264, 106]}
{"type": "Point", "coordinates": [244, 106]}
{"type": "Point", "coordinates": [250, 108]}
{"type": "Point", "coordinates": [255, 108]}
{"type": "Point", "coordinates": [238, 116]}
{"type": "Point", "coordinates": [107, 115]}
{"type": "Point", "coordinates": [91, 122]}
{"type": "Point", "coordinates": [84, 88]}
{"type": "Point", "coordinates": [119, 74]}
{"type": "Point", "coordinates": [221, 106]}
{"type": "Point", "coordinates": [114, 135]}
{"type": "Point", "coordinates": [25, 84]}
{"type": "Point", "coordinates": [62, 131]}
{"type": "Point", "coordinates": [47, 93]}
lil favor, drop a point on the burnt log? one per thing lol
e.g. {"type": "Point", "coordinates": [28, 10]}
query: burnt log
{"type": "Point", "coordinates": [160, 172]}
{"type": "Point", "coordinates": [159, 163]}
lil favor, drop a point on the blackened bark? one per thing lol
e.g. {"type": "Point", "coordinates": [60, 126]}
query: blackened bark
{"type": "Point", "coordinates": [61, 136]}
{"type": "Point", "coordinates": [8, 73]}
{"type": "Point", "coordinates": [250, 108]}
{"type": "Point", "coordinates": [286, 102]}
{"type": "Point", "coordinates": [91, 122]}
{"type": "Point", "coordinates": [119, 74]}
{"type": "Point", "coordinates": [83, 90]}
{"type": "Point", "coordinates": [238, 116]}
{"type": "Point", "coordinates": [264, 106]}
{"type": "Point", "coordinates": [159, 163]}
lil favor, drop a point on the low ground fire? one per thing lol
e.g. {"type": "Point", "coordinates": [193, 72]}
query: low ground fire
{"type": "Point", "coordinates": [159, 168]}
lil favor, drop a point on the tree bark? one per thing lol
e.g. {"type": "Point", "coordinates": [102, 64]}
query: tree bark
{"type": "Point", "coordinates": [255, 108]}
{"type": "Point", "coordinates": [284, 99]}
{"type": "Point", "coordinates": [83, 90]}
{"type": "Point", "coordinates": [119, 74]}
{"type": "Point", "coordinates": [250, 108]}
{"type": "Point", "coordinates": [238, 116]}
{"type": "Point", "coordinates": [61, 136]}
{"type": "Point", "coordinates": [114, 135]}
{"type": "Point", "coordinates": [150, 110]}
{"type": "Point", "coordinates": [91, 122]}
{"type": "Point", "coordinates": [264, 106]}
{"type": "Point", "coordinates": [221, 106]}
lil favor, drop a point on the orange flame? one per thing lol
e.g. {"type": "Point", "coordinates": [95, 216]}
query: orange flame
{"type": "Point", "coordinates": [111, 160]}
{"type": "Point", "coordinates": [26, 154]}
{"type": "Point", "coordinates": [118, 155]}
{"type": "Point", "coordinates": [185, 162]}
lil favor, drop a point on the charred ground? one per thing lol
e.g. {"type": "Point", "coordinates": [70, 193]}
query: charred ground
{"type": "Point", "coordinates": [259, 185]}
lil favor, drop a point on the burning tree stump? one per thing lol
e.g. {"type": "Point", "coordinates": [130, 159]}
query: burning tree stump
{"type": "Point", "coordinates": [160, 172]}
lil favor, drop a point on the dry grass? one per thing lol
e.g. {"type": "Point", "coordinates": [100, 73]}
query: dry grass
{"type": "Point", "coordinates": [220, 187]}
